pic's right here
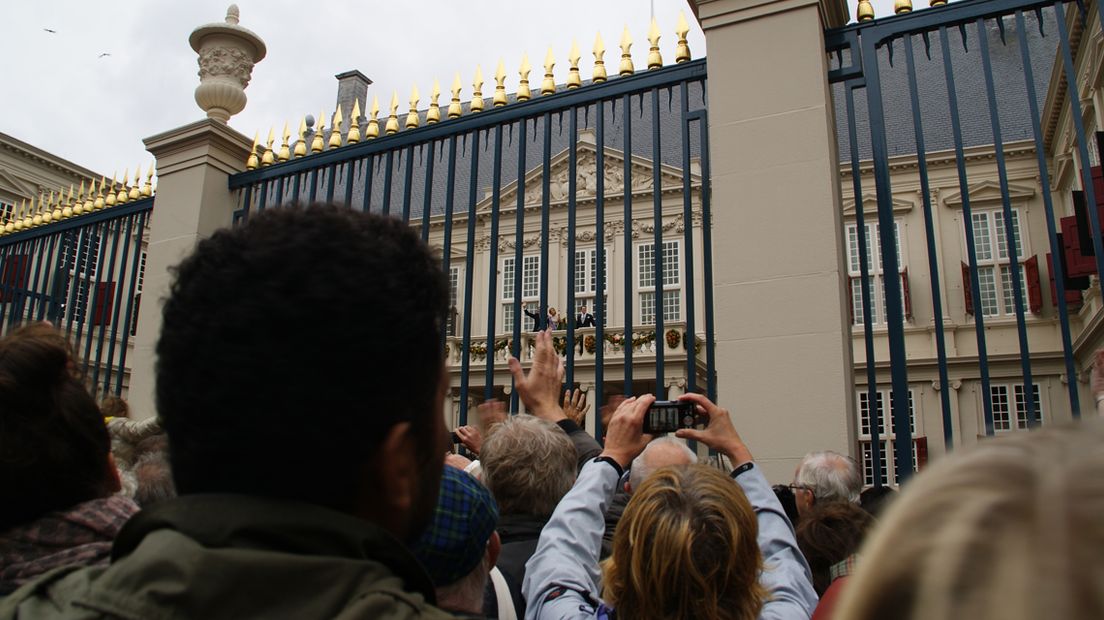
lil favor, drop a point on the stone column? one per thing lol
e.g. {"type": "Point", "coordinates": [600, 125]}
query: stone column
{"type": "Point", "coordinates": [783, 337]}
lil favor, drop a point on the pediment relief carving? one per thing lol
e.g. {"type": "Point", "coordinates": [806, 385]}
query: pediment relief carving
{"type": "Point", "coordinates": [870, 204]}
{"type": "Point", "coordinates": [988, 191]}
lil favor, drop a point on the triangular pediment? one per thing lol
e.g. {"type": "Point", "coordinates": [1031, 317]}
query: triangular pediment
{"type": "Point", "coordinates": [988, 191]}
{"type": "Point", "coordinates": [870, 205]}
{"type": "Point", "coordinates": [14, 189]}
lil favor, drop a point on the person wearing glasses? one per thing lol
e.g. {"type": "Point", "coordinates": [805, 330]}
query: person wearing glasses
{"type": "Point", "coordinates": [824, 477]}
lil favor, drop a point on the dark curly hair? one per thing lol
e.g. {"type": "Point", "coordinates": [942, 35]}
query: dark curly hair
{"type": "Point", "coordinates": [290, 345]}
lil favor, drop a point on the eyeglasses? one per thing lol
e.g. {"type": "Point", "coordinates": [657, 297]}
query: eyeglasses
{"type": "Point", "coordinates": [800, 487]}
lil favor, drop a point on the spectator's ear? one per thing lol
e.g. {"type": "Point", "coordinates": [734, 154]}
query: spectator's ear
{"type": "Point", "coordinates": [494, 547]}
{"type": "Point", "coordinates": [628, 487]}
{"type": "Point", "coordinates": [397, 470]}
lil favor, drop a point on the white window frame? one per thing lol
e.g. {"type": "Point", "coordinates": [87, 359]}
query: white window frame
{"type": "Point", "coordinates": [887, 435]}
{"type": "Point", "coordinates": [586, 281]}
{"type": "Point", "coordinates": [1009, 402]}
{"type": "Point", "coordinates": [530, 288]}
{"type": "Point", "coordinates": [452, 320]}
{"type": "Point", "coordinates": [82, 274]}
{"type": "Point", "coordinates": [992, 257]}
{"type": "Point", "coordinates": [671, 287]}
{"type": "Point", "coordinates": [874, 271]}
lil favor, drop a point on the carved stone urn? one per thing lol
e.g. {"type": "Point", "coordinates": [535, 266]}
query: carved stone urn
{"type": "Point", "coordinates": [227, 53]}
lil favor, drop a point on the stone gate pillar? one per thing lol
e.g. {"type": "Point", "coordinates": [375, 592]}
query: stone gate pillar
{"type": "Point", "coordinates": [784, 362]}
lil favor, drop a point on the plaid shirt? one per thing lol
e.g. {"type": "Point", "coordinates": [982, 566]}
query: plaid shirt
{"type": "Point", "coordinates": [844, 568]}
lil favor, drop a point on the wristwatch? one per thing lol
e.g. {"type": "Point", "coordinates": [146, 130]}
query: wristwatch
{"type": "Point", "coordinates": [741, 469]}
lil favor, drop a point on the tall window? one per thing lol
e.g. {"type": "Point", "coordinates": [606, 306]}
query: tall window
{"type": "Point", "coordinates": [454, 309]}
{"type": "Point", "coordinates": [80, 256]}
{"type": "Point", "coordinates": [1010, 410]}
{"type": "Point", "coordinates": [530, 288]}
{"type": "Point", "coordinates": [887, 430]}
{"type": "Point", "coordinates": [670, 287]}
{"type": "Point", "coordinates": [995, 271]}
{"type": "Point", "coordinates": [586, 282]}
{"type": "Point", "coordinates": [876, 279]}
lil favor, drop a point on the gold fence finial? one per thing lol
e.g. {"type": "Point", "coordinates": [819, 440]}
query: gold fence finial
{"type": "Point", "coordinates": [67, 209]}
{"type": "Point", "coordinates": [109, 198]}
{"type": "Point", "coordinates": [36, 217]}
{"type": "Point", "coordinates": [56, 204]}
{"type": "Point", "coordinates": [937, 2]}
{"type": "Point", "coordinates": [865, 11]}
{"type": "Point", "coordinates": [900, 7]}
{"type": "Point", "coordinates": [372, 131]}
{"type": "Point", "coordinates": [135, 192]}
{"type": "Point", "coordinates": [412, 118]}
{"type": "Point", "coordinates": [548, 86]}
{"type": "Point", "coordinates": [89, 202]}
{"type": "Point", "coordinates": [45, 208]}
{"type": "Point", "coordinates": [626, 55]}
{"type": "Point", "coordinates": [454, 107]}
{"type": "Point", "coordinates": [335, 129]}
{"type": "Point", "coordinates": [17, 218]}
{"type": "Point", "coordinates": [317, 142]}
{"type": "Point", "coordinates": [147, 187]}
{"type": "Point", "coordinates": [682, 48]}
{"type": "Point", "coordinates": [573, 78]}
{"type": "Point", "coordinates": [99, 202]}
{"type": "Point", "coordinates": [252, 162]}
{"type": "Point", "coordinates": [301, 144]}
{"type": "Point", "coordinates": [28, 218]}
{"type": "Point", "coordinates": [285, 146]}
{"type": "Point", "coordinates": [523, 93]}
{"type": "Point", "coordinates": [78, 205]}
{"type": "Point", "coordinates": [655, 60]}
{"type": "Point", "coordinates": [433, 114]}
{"type": "Point", "coordinates": [477, 92]}
{"type": "Point", "coordinates": [269, 156]}
{"type": "Point", "coordinates": [500, 85]}
{"type": "Point", "coordinates": [354, 124]}
{"type": "Point", "coordinates": [392, 125]}
{"type": "Point", "coordinates": [121, 197]}
{"type": "Point", "coordinates": [599, 74]}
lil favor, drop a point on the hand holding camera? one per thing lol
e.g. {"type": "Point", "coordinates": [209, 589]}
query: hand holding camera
{"type": "Point", "coordinates": [719, 434]}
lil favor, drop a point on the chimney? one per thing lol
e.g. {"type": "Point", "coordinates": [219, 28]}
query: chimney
{"type": "Point", "coordinates": [351, 86]}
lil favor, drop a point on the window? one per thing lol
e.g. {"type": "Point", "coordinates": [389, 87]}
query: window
{"type": "Point", "coordinates": [671, 285]}
{"type": "Point", "coordinates": [586, 282]}
{"type": "Point", "coordinates": [530, 288]}
{"type": "Point", "coordinates": [14, 271]}
{"type": "Point", "coordinates": [887, 432]}
{"type": "Point", "coordinates": [80, 258]}
{"type": "Point", "coordinates": [876, 277]}
{"type": "Point", "coordinates": [1010, 406]}
{"type": "Point", "coordinates": [453, 311]}
{"type": "Point", "coordinates": [994, 270]}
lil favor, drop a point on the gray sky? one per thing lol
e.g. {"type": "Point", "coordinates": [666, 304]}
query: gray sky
{"type": "Point", "coordinates": [64, 98]}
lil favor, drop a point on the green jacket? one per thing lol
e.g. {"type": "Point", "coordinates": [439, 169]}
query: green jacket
{"type": "Point", "coordinates": [231, 556]}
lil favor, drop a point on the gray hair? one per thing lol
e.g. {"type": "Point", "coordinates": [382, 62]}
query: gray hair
{"type": "Point", "coordinates": [659, 453]}
{"type": "Point", "coordinates": [126, 435]}
{"type": "Point", "coordinates": [528, 465]}
{"type": "Point", "coordinates": [833, 477]}
{"type": "Point", "coordinates": [153, 478]}
{"type": "Point", "coordinates": [466, 594]}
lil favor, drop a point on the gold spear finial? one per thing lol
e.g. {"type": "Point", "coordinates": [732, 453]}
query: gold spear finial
{"type": "Point", "coordinates": [317, 142]}
{"type": "Point", "coordinates": [44, 207]}
{"type": "Point", "coordinates": [269, 156]}
{"type": "Point", "coordinates": [655, 60]}
{"type": "Point", "coordinates": [433, 114]}
{"type": "Point", "coordinates": [865, 11]}
{"type": "Point", "coordinates": [17, 223]}
{"type": "Point", "coordinates": [901, 7]}
{"type": "Point", "coordinates": [682, 48]}
{"type": "Point", "coordinates": [412, 118]}
{"type": "Point", "coordinates": [373, 122]}
{"type": "Point", "coordinates": [500, 85]}
{"type": "Point", "coordinates": [523, 93]}
{"type": "Point", "coordinates": [573, 79]}
{"type": "Point", "coordinates": [454, 106]}
{"type": "Point", "coordinates": [393, 118]}
{"type": "Point", "coordinates": [477, 92]}
{"type": "Point", "coordinates": [89, 202]}
{"type": "Point", "coordinates": [335, 129]}
{"type": "Point", "coordinates": [147, 187]}
{"type": "Point", "coordinates": [548, 86]}
{"type": "Point", "coordinates": [252, 162]}
{"type": "Point", "coordinates": [28, 218]}
{"type": "Point", "coordinates": [354, 124]}
{"type": "Point", "coordinates": [99, 203]}
{"type": "Point", "coordinates": [78, 205]}
{"type": "Point", "coordinates": [122, 197]}
{"type": "Point", "coordinates": [135, 193]}
{"type": "Point", "coordinates": [937, 2]}
{"type": "Point", "coordinates": [301, 143]}
{"type": "Point", "coordinates": [109, 196]}
{"type": "Point", "coordinates": [285, 146]}
{"type": "Point", "coordinates": [36, 219]}
{"type": "Point", "coordinates": [56, 212]}
{"type": "Point", "coordinates": [67, 210]}
{"type": "Point", "coordinates": [599, 74]}
{"type": "Point", "coordinates": [626, 55]}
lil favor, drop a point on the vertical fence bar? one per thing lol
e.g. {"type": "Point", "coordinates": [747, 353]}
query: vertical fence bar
{"type": "Point", "coordinates": [492, 265]}
{"type": "Point", "coordinates": [118, 301]}
{"type": "Point", "coordinates": [71, 309]}
{"type": "Point", "coordinates": [688, 241]}
{"type": "Point", "coordinates": [330, 183]}
{"type": "Point", "coordinates": [407, 182]}
{"type": "Point", "coordinates": [519, 241]}
{"type": "Point", "coordinates": [390, 163]}
{"type": "Point", "coordinates": [544, 237]}
{"type": "Point", "coordinates": [600, 257]}
{"type": "Point", "coordinates": [369, 172]}
{"type": "Point", "coordinates": [116, 227]}
{"type": "Point", "coordinates": [627, 340]}
{"type": "Point", "coordinates": [280, 190]}
{"type": "Point", "coordinates": [95, 297]}
{"type": "Point", "coordinates": [427, 201]}
{"type": "Point", "coordinates": [42, 274]}
{"type": "Point", "coordinates": [469, 267]}
{"type": "Point", "coordinates": [707, 256]}
{"type": "Point", "coordinates": [350, 169]}
{"type": "Point", "coordinates": [313, 191]}
{"type": "Point", "coordinates": [262, 200]}
{"type": "Point", "coordinates": [657, 253]}
{"type": "Point", "coordinates": [572, 188]}
{"type": "Point", "coordinates": [130, 303]}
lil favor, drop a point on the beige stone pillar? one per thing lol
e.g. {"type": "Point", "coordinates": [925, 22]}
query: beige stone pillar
{"type": "Point", "coordinates": [783, 337]}
{"type": "Point", "coordinates": [193, 165]}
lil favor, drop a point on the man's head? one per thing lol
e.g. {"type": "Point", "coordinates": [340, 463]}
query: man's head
{"type": "Point", "coordinates": [528, 464]}
{"type": "Point", "coordinates": [300, 358]}
{"type": "Point", "coordinates": [826, 477]}
{"type": "Point", "coordinates": [582, 309]}
{"type": "Point", "coordinates": [660, 452]}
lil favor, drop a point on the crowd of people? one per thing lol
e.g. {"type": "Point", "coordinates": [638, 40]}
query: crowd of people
{"type": "Point", "coordinates": [299, 468]}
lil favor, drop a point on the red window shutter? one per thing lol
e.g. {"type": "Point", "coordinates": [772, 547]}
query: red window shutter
{"type": "Point", "coordinates": [921, 445]}
{"type": "Point", "coordinates": [966, 291]}
{"type": "Point", "coordinates": [1098, 184]}
{"type": "Point", "coordinates": [1074, 297]}
{"type": "Point", "coordinates": [1034, 287]}
{"type": "Point", "coordinates": [1078, 264]}
{"type": "Point", "coordinates": [105, 293]}
{"type": "Point", "coordinates": [14, 276]}
{"type": "Point", "coordinates": [851, 297]}
{"type": "Point", "coordinates": [905, 293]}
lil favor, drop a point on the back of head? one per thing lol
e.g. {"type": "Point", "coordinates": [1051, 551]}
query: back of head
{"type": "Point", "coordinates": [53, 442]}
{"type": "Point", "coordinates": [529, 464]}
{"type": "Point", "coordinates": [659, 452]}
{"type": "Point", "coordinates": [876, 499]}
{"type": "Point", "coordinates": [1011, 529]}
{"type": "Point", "coordinates": [828, 534]}
{"type": "Point", "coordinates": [686, 548]}
{"type": "Point", "coordinates": [291, 345]}
{"type": "Point", "coordinates": [834, 477]}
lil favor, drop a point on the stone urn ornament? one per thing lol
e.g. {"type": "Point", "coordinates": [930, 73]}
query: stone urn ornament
{"type": "Point", "coordinates": [227, 53]}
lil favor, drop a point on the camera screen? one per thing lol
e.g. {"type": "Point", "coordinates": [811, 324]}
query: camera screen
{"type": "Point", "coordinates": [665, 418]}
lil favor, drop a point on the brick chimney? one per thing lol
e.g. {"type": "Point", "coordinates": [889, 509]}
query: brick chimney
{"type": "Point", "coordinates": [352, 86]}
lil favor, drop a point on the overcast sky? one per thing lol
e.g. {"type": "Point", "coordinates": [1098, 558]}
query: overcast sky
{"type": "Point", "coordinates": [63, 97]}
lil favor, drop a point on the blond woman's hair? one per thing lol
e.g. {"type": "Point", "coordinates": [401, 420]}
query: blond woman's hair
{"type": "Point", "coordinates": [686, 548]}
{"type": "Point", "coordinates": [1013, 529]}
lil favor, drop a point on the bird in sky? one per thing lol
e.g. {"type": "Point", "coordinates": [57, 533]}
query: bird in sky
{"type": "Point", "coordinates": [50, 31]}
{"type": "Point", "coordinates": [104, 54]}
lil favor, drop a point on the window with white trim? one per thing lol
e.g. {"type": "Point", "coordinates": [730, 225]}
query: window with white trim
{"type": "Point", "coordinates": [876, 274]}
{"type": "Point", "coordinates": [670, 287]}
{"type": "Point", "coordinates": [994, 269]}
{"type": "Point", "coordinates": [586, 281]}
{"type": "Point", "coordinates": [453, 317]}
{"type": "Point", "coordinates": [530, 288]}
{"type": "Point", "coordinates": [1010, 410]}
{"type": "Point", "coordinates": [887, 433]}
{"type": "Point", "coordinates": [80, 256]}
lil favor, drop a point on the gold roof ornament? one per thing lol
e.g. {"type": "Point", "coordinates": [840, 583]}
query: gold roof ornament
{"type": "Point", "coordinates": [548, 86]}
{"type": "Point", "coordinates": [523, 93]}
{"type": "Point", "coordinates": [573, 57]}
{"type": "Point", "coordinates": [269, 156]}
{"type": "Point", "coordinates": [412, 118]}
{"type": "Point", "coordinates": [477, 92]}
{"type": "Point", "coordinates": [122, 197]}
{"type": "Point", "coordinates": [301, 143]}
{"type": "Point", "coordinates": [433, 114]}
{"type": "Point", "coordinates": [147, 187]}
{"type": "Point", "coordinates": [99, 203]}
{"type": "Point", "coordinates": [682, 48]}
{"type": "Point", "coordinates": [900, 7]}
{"type": "Point", "coordinates": [89, 201]}
{"type": "Point", "coordinates": [454, 107]}
{"type": "Point", "coordinates": [392, 126]}
{"type": "Point", "coordinates": [372, 131]}
{"type": "Point", "coordinates": [318, 143]}
{"type": "Point", "coordinates": [865, 11]}
{"type": "Point", "coordinates": [109, 199]}
{"type": "Point", "coordinates": [499, 99]}
{"type": "Point", "coordinates": [354, 124]}
{"type": "Point", "coordinates": [335, 129]}
{"type": "Point", "coordinates": [253, 162]}
{"type": "Point", "coordinates": [599, 74]}
{"type": "Point", "coordinates": [626, 55]}
{"type": "Point", "coordinates": [285, 146]}
{"type": "Point", "coordinates": [135, 193]}
{"type": "Point", "coordinates": [78, 204]}
{"type": "Point", "coordinates": [655, 60]}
